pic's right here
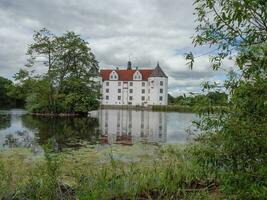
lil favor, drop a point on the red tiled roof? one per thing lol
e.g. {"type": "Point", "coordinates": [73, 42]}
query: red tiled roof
{"type": "Point", "coordinates": [125, 75]}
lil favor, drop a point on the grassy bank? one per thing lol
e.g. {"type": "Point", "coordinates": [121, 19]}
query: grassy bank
{"type": "Point", "coordinates": [190, 109]}
{"type": "Point", "coordinates": [174, 108]}
{"type": "Point", "coordinates": [76, 175]}
{"type": "Point", "coordinates": [126, 107]}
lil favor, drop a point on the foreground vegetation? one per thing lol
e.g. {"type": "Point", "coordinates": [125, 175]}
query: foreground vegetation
{"type": "Point", "coordinates": [170, 175]}
{"type": "Point", "coordinates": [232, 142]}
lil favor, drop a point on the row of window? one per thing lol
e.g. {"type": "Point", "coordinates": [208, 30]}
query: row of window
{"type": "Point", "coordinates": [131, 91]}
{"type": "Point", "coordinates": [137, 77]}
{"type": "Point", "coordinates": [131, 98]}
{"type": "Point", "coordinates": [131, 83]}
{"type": "Point", "coordinates": [113, 77]}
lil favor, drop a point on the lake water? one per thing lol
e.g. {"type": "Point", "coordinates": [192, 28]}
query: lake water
{"type": "Point", "coordinates": [102, 127]}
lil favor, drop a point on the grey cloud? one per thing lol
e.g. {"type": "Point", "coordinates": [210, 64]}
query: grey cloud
{"type": "Point", "coordinates": [147, 31]}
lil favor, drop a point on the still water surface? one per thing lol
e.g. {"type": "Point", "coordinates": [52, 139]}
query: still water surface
{"type": "Point", "coordinates": [103, 127]}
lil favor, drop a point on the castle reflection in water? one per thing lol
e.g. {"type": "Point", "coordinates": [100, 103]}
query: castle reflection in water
{"type": "Point", "coordinates": [107, 126]}
{"type": "Point", "coordinates": [130, 126]}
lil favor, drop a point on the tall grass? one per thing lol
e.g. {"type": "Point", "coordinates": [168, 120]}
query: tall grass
{"type": "Point", "coordinates": [5, 182]}
{"type": "Point", "coordinates": [173, 176]}
{"type": "Point", "coordinates": [168, 178]}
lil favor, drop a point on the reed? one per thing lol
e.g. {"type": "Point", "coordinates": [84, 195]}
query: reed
{"type": "Point", "coordinates": [172, 176]}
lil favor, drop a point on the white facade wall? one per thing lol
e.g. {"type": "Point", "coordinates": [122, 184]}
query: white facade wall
{"type": "Point", "coordinates": [156, 86]}
{"type": "Point", "coordinates": [142, 93]}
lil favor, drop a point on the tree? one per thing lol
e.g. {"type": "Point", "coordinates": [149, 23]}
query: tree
{"type": "Point", "coordinates": [171, 99]}
{"type": "Point", "coordinates": [234, 145]}
{"type": "Point", "coordinates": [7, 99]}
{"type": "Point", "coordinates": [4, 98]}
{"type": "Point", "coordinates": [69, 82]}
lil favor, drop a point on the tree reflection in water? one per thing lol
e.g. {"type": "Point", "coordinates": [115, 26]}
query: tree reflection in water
{"type": "Point", "coordinates": [63, 132]}
{"type": "Point", "coordinates": [125, 127]}
{"type": "Point", "coordinates": [22, 138]}
{"type": "Point", "coordinates": [5, 121]}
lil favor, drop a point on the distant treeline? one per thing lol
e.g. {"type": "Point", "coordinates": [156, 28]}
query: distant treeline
{"type": "Point", "coordinates": [215, 98]}
{"type": "Point", "coordinates": [193, 103]}
{"type": "Point", "coordinates": [7, 99]}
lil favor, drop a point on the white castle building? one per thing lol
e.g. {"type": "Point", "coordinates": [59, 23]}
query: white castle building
{"type": "Point", "coordinates": [129, 86]}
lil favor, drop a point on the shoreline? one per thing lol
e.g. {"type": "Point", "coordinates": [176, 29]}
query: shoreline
{"type": "Point", "coordinates": [55, 114]}
{"type": "Point", "coordinates": [162, 108]}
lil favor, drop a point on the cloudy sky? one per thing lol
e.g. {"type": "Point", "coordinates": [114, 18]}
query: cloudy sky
{"type": "Point", "coordinates": [147, 31]}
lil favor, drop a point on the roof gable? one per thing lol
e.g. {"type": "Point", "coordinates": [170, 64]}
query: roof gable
{"type": "Point", "coordinates": [113, 75]}
{"type": "Point", "coordinates": [125, 75]}
{"type": "Point", "coordinates": [137, 76]}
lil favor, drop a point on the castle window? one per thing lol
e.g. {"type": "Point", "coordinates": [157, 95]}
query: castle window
{"type": "Point", "coordinates": [143, 84]}
{"type": "Point", "coordinates": [107, 83]}
{"type": "Point", "coordinates": [107, 97]}
{"type": "Point", "coordinates": [119, 90]}
{"type": "Point", "coordinates": [131, 90]}
{"type": "Point", "coordinates": [131, 83]}
{"type": "Point", "coordinates": [161, 98]}
{"type": "Point", "coordinates": [107, 90]}
{"type": "Point", "coordinates": [160, 90]}
{"type": "Point", "coordinates": [119, 97]}
{"type": "Point", "coordinates": [137, 77]}
{"type": "Point", "coordinates": [119, 83]}
{"type": "Point", "coordinates": [151, 84]}
{"type": "Point", "coordinates": [161, 83]}
{"type": "Point", "coordinates": [143, 91]}
{"type": "Point", "coordinates": [143, 98]}
{"type": "Point", "coordinates": [130, 98]}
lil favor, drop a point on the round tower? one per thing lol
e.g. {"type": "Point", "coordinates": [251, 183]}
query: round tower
{"type": "Point", "coordinates": [158, 87]}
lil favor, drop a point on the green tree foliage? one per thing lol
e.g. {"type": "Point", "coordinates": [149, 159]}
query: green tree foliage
{"type": "Point", "coordinates": [6, 98]}
{"type": "Point", "coordinates": [69, 82]}
{"type": "Point", "coordinates": [5, 121]}
{"type": "Point", "coordinates": [214, 98]}
{"type": "Point", "coordinates": [234, 141]}
{"type": "Point", "coordinates": [171, 99]}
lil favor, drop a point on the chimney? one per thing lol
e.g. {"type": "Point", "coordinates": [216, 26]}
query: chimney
{"type": "Point", "coordinates": [129, 67]}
